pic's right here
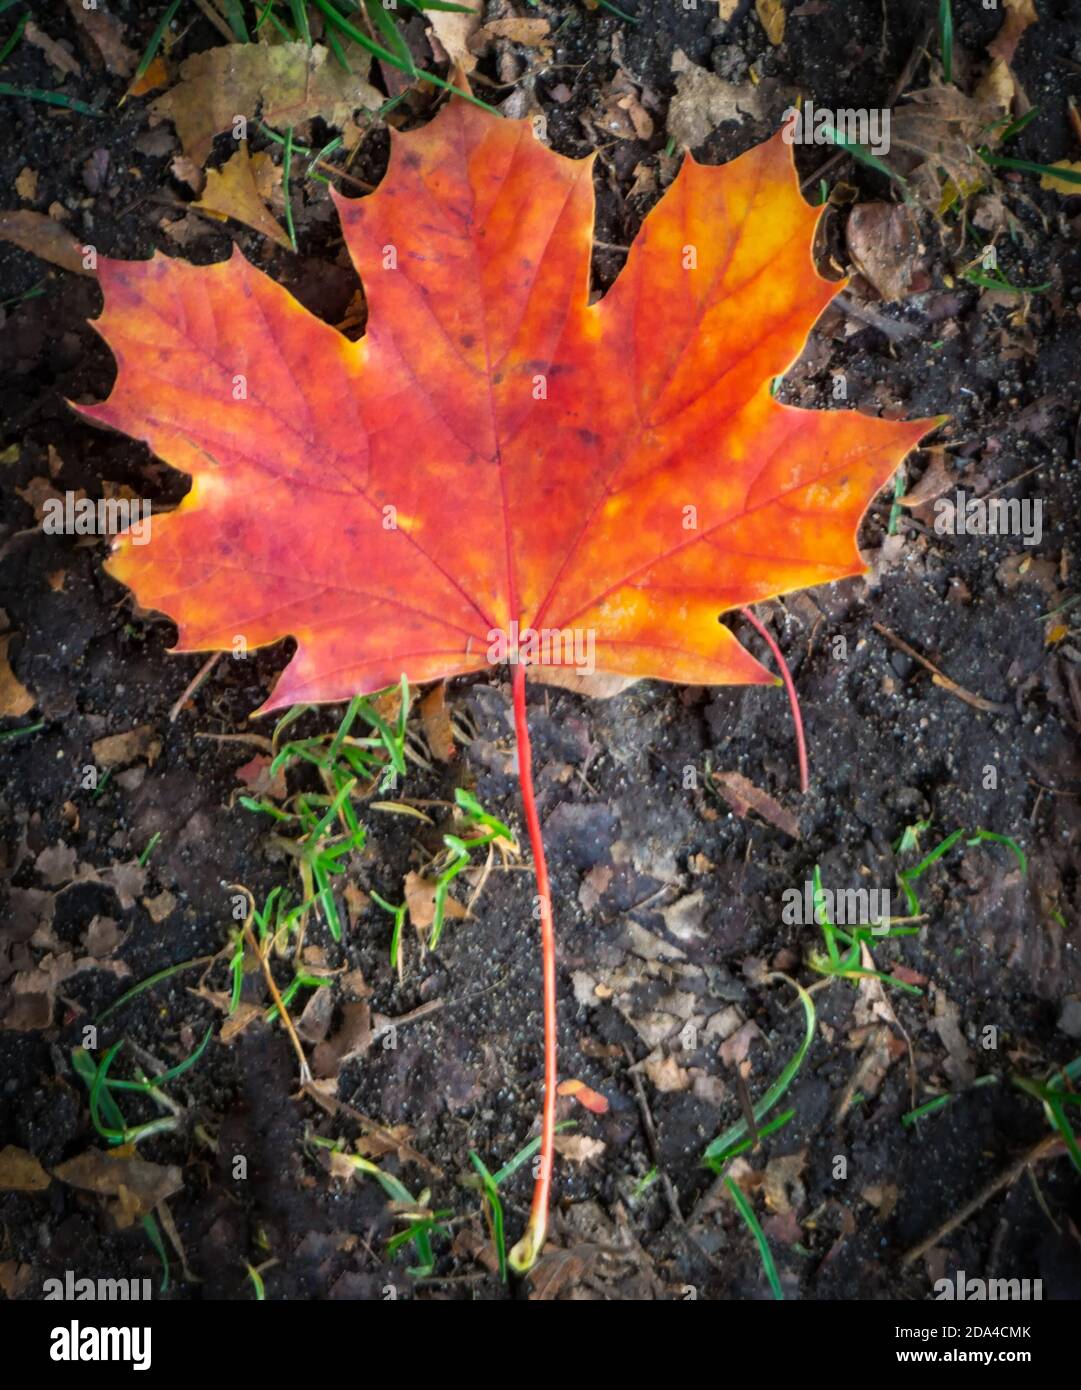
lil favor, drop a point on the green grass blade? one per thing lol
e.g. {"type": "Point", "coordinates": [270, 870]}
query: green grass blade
{"type": "Point", "coordinates": [747, 1212]}
{"type": "Point", "coordinates": [717, 1151]}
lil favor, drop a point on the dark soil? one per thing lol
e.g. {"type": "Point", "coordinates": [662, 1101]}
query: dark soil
{"type": "Point", "coordinates": [997, 957]}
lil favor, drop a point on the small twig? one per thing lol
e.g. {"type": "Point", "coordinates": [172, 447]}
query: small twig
{"type": "Point", "coordinates": [650, 1130]}
{"type": "Point", "coordinates": [194, 684]}
{"type": "Point", "coordinates": [1006, 1178]}
{"type": "Point", "coordinates": [940, 678]}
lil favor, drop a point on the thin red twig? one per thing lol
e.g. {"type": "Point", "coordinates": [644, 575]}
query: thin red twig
{"type": "Point", "coordinates": [529, 1247]}
{"type": "Point", "coordinates": [790, 686]}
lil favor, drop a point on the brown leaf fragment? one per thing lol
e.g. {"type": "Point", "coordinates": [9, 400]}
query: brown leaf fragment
{"type": "Point", "coordinates": [15, 1278]}
{"type": "Point", "coordinates": [26, 184]}
{"type": "Point", "coordinates": [102, 937]}
{"type": "Point", "coordinates": [21, 1172]}
{"type": "Point", "coordinates": [160, 907]}
{"type": "Point", "coordinates": [781, 1185]}
{"type": "Point", "coordinates": [579, 1148]}
{"type": "Point", "coordinates": [435, 720]}
{"type": "Point", "coordinates": [453, 32]}
{"type": "Point", "coordinates": [314, 1023]}
{"type": "Point", "coordinates": [601, 685]}
{"type": "Point", "coordinates": [289, 82]}
{"type": "Point", "coordinates": [57, 864]}
{"type": "Point", "coordinates": [772, 17]}
{"type": "Point", "coordinates": [884, 245]}
{"type": "Point", "coordinates": [58, 54]}
{"type": "Point", "coordinates": [255, 775]}
{"type": "Point", "coordinates": [743, 796]}
{"type": "Point", "coordinates": [117, 750]}
{"type": "Point", "coordinates": [560, 1270]}
{"type": "Point", "coordinates": [420, 900]}
{"type": "Point", "coordinates": [137, 1184]}
{"type": "Point", "coordinates": [936, 480]}
{"type": "Point", "coordinates": [352, 1039]}
{"type": "Point", "coordinates": [703, 100]}
{"type": "Point", "coordinates": [44, 237]}
{"type": "Point", "coordinates": [666, 1074]}
{"type": "Point", "coordinates": [1020, 14]}
{"type": "Point", "coordinates": [531, 33]}
{"type": "Point", "coordinates": [234, 191]}
{"type": "Point", "coordinates": [105, 33]}
{"type": "Point", "coordinates": [15, 699]}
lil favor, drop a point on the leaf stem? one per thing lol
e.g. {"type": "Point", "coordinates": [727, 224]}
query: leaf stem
{"type": "Point", "coordinates": [525, 1253]}
{"type": "Point", "coordinates": [790, 686]}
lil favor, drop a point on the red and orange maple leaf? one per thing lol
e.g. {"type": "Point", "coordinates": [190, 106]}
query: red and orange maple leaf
{"type": "Point", "coordinates": [497, 455]}
{"type": "Point", "coordinates": [496, 449]}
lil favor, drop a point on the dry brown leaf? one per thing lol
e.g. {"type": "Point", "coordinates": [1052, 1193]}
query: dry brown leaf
{"type": "Point", "coordinates": [289, 82]}
{"type": "Point", "coordinates": [771, 17]}
{"type": "Point", "coordinates": [58, 55]}
{"type": "Point", "coordinates": [15, 699]}
{"type": "Point", "coordinates": [117, 750]}
{"type": "Point", "coordinates": [453, 32]}
{"type": "Point", "coordinates": [601, 685]}
{"type": "Point", "coordinates": [105, 33]}
{"type": "Point", "coordinates": [255, 775]}
{"type": "Point", "coordinates": [579, 1148]}
{"type": "Point", "coordinates": [26, 184]}
{"type": "Point", "coordinates": [531, 33]}
{"type": "Point", "coordinates": [935, 140]}
{"type": "Point", "coordinates": [44, 237]}
{"type": "Point", "coordinates": [1019, 15]}
{"type": "Point", "coordinates": [781, 1186]}
{"type": "Point", "coordinates": [703, 100]}
{"type": "Point", "coordinates": [233, 191]}
{"type": "Point", "coordinates": [420, 900]}
{"type": "Point", "coordinates": [743, 796]}
{"type": "Point", "coordinates": [21, 1172]}
{"type": "Point", "coordinates": [435, 719]}
{"type": "Point", "coordinates": [160, 907]}
{"type": "Point", "coordinates": [884, 244]}
{"type": "Point", "coordinates": [936, 480]}
{"type": "Point", "coordinates": [137, 1184]}
{"type": "Point", "coordinates": [666, 1074]}
{"type": "Point", "coordinates": [352, 1039]}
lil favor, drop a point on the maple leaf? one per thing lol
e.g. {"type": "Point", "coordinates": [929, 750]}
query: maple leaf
{"type": "Point", "coordinates": [495, 449]}
{"type": "Point", "coordinates": [497, 456]}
